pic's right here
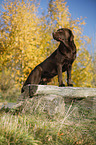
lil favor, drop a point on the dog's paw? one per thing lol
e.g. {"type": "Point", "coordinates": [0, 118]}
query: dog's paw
{"type": "Point", "coordinates": [70, 85]}
{"type": "Point", "coordinates": [62, 85]}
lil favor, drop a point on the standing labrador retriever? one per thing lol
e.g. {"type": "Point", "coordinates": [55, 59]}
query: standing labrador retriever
{"type": "Point", "coordinates": [59, 61]}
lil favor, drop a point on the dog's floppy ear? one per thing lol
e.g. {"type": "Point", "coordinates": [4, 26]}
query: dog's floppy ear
{"type": "Point", "coordinates": [71, 37]}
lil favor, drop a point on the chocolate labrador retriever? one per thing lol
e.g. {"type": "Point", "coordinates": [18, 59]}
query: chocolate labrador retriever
{"type": "Point", "coordinates": [59, 61]}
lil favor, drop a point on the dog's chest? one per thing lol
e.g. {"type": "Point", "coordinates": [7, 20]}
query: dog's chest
{"type": "Point", "coordinates": [68, 59]}
{"type": "Point", "coordinates": [64, 56]}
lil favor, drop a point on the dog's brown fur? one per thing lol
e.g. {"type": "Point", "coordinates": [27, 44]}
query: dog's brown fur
{"type": "Point", "coordinates": [59, 61]}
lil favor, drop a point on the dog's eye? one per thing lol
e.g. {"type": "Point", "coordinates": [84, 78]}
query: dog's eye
{"type": "Point", "coordinates": [60, 30]}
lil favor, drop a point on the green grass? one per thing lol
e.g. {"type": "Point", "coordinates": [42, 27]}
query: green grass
{"type": "Point", "coordinates": [77, 127]}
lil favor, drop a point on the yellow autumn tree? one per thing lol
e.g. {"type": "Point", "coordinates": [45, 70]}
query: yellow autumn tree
{"type": "Point", "coordinates": [21, 31]}
{"type": "Point", "coordinates": [94, 70]}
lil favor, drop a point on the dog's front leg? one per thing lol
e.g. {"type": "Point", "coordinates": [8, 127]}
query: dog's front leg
{"type": "Point", "coordinates": [69, 75]}
{"type": "Point", "coordinates": [59, 71]}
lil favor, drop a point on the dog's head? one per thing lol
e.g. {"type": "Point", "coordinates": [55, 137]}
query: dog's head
{"type": "Point", "coordinates": [63, 35]}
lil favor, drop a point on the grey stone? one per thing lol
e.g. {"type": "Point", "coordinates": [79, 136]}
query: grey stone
{"type": "Point", "coordinates": [45, 104]}
{"type": "Point", "coordinates": [72, 92]}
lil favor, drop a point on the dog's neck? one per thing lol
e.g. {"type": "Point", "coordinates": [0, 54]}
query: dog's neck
{"type": "Point", "coordinates": [63, 48]}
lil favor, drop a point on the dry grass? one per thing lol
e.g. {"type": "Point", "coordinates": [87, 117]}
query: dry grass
{"type": "Point", "coordinates": [76, 127]}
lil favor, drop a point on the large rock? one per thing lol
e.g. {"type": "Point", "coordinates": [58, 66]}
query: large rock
{"type": "Point", "coordinates": [50, 105]}
{"type": "Point", "coordinates": [51, 99]}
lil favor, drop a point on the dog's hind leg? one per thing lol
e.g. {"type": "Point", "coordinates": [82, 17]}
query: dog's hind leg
{"type": "Point", "coordinates": [36, 76]}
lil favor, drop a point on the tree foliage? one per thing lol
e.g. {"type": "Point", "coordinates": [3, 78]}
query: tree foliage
{"type": "Point", "coordinates": [94, 70]}
{"type": "Point", "coordinates": [26, 40]}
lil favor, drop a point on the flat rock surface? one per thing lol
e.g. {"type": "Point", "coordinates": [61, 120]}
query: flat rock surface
{"type": "Point", "coordinates": [74, 92]}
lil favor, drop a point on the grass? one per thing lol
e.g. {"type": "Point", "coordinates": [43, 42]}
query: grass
{"type": "Point", "coordinates": [76, 127]}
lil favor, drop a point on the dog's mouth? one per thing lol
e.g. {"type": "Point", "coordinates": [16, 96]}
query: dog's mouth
{"type": "Point", "coordinates": [61, 40]}
{"type": "Point", "coordinates": [58, 38]}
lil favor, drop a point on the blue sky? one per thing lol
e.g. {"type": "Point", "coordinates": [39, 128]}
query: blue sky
{"type": "Point", "coordinates": [78, 8]}
{"type": "Point", "coordinates": [86, 9]}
